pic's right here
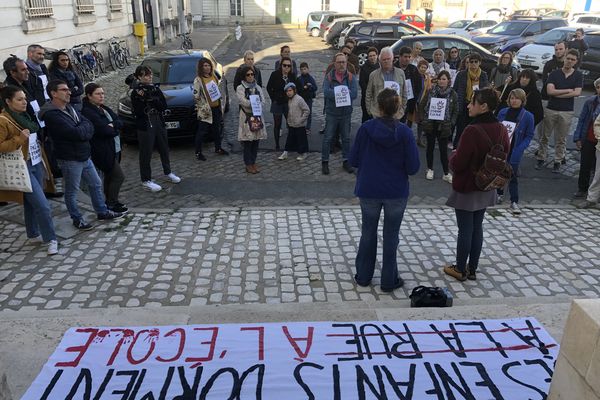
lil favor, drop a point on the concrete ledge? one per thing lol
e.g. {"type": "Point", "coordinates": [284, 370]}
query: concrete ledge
{"type": "Point", "coordinates": [577, 371]}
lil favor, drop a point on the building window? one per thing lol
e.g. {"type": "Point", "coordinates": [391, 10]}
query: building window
{"type": "Point", "coordinates": [235, 7]}
{"type": "Point", "coordinates": [115, 5]}
{"type": "Point", "coordinates": [38, 9]}
{"type": "Point", "coordinates": [85, 6]}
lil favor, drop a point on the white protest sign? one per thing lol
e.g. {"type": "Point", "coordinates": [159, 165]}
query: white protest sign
{"type": "Point", "coordinates": [392, 85]}
{"type": "Point", "coordinates": [510, 127]}
{"type": "Point", "coordinates": [342, 96]}
{"type": "Point", "coordinates": [36, 109]}
{"type": "Point", "coordinates": [453, 74]}
{"type": "Point", "coordinates": [256, 105]}
{"type": "Point", "coordinates": [409, 90]}
{"type": "Point", "coordinates": [437, 109]}
{"type": "Point", "coordinates": [44, 80]}
{"type": "Point", "coordinates": [486, 359]}
{"type": "Point", "coordinates": [475, 87]}
{"type": "Point", "coordinates": [35, 153]}
{"type": "Point", "coordinates": [213, 91]}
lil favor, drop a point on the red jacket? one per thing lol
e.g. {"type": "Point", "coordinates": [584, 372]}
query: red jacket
{"type": "Point", "coordinates": [472, 148]}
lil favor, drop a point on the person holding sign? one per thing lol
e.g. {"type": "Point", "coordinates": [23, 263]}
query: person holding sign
{"type": "Point", "coordinates": [251, 127]}
{"type": "Point", "coordinates": [412, 84]}
{"type": "Point", "coordinates": [277, 81]}
{"type": "Point", "coordinates": [385, 154]}
{"type": "Point", "coordinates": [340, 88]}
{"type": "Point", "coordinates": [521, 127]}
{"type": "Point", "coordinates": [527, 81]}
{"type": "Point", "coordinates": [504, 73]}
{"type": "Point", "coordinates": [468, 201]}
{"type": "Point", "coordinates": [19, 131]}
{"type": "Point", "coordinates": [39, 72]}
{"type": "Point", "coordinates": [465, 84]}
{"type": "Point", "coordinates": [387, 76]}
{"type": "Point", "coordinates": [298, 113]}
{"type": "Point", "coordinates": [439, 110]}
{"type": "Point", "coordinates": [209, 109]}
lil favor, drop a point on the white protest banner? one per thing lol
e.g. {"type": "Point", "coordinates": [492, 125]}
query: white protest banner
{"type": "Point", "coordinates": [213, 91]}
{"type": "Point", "coordinates": [437, 109]}
{"type": "Point", "coordinates": [409, 90]}
{"type": "Point", "coordinates": [35, 153]}
{"type": "Point", "coordinates": [470, 359]}
{"type": "Point", "coordinates": [342, 96]}
{"type": "Point", "coordinates": [392, 85]}
{"type": "Point", "coordinates": [510, 127]}
{"type": "Point", "coordinates": [256, 105]}
{"type": "Point", "coordinates": [36, 109]}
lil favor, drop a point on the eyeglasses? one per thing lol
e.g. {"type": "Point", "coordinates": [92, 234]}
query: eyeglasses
{"type": "Point", "coordinates": [250, 74]}
{"type": "Point", "coordinates": [286, 65]}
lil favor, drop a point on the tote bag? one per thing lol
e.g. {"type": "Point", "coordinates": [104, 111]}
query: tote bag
{"type": "Point", "coordinates": [13, 171]}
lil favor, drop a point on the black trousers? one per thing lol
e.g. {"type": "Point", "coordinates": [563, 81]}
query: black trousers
{"type": "Point", "coordinates": [461, 123]}
{"type": "Point", "coordinates": [587, 164]}
{"type": "Point", "coordinates": [156, 133]}
{"type": "Point", "coordinates": [112, 183]}
{"type": "Point", "coordinates": [442, 144]}
{"type": "Point", "coordinates": [296, 140]}
{"type": "Point", "coordinates": [363, 105]}
{"type": "Point", "coordinates": [216, 129]}
{"type": "Point", "coordinates": [250, 151]}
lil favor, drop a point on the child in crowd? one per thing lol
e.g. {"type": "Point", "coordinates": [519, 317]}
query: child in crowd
{"type": "Point", "coordinates": [307, 89]}
{"type": "Point", "coordinates": [298, 113]}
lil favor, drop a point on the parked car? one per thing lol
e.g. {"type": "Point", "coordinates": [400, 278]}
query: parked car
{"type": "Point", "coordinates": [531, 12]}
{"type": "Point", "coordinates": [333, 32]}
{"type": "Point", "coordinates": [313, 21]}
{"type": "Point", "coordinates": [378, 34]}
{"type": "Point", "coordinates": [465, 46]}
{"type": "Point", "coordinates": [516, 33]}
{"type": "Point", "coordinates": [536, 54]}
{"type": "Point", "coordinates": [587, 21]}
{"type": "Point", "coordinates": [590, 65]}
{"type": "Point", "coordinates": [466, 27]}
{"type": "Point", "coordinates": [411, 19]}
{"type": "Point", "coordinates": [329, 19]}
{"type": "Point", "coordinates": [174, 72]}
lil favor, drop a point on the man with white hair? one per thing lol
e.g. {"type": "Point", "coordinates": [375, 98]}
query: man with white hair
{"type": "Point", "coordinates": [387, 76]}
{"type": "Point", "coordinates": [249, 61]}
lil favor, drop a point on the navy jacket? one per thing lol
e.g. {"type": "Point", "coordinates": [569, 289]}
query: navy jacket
{"type": "Point", "coordinates": [36, 83]}
{"type": "Point", "coordinates": [589, 113]}
{"type": "Point", "coordinates": [73, 82]}
{"type": "Point", "coordinates": [310, 92]}
{"type": "Point", "coordinates": [523, 134]}
{"type": "Point", "coordinates": [329, 93]}
{"type": "Point", "coordinates": [385, 154]}
{"type": "Point", "coordinates": [70, 132]}
{"type": "Point", "coordinates": [103, 142]}
{"type": "Point", "coordinates": [460, 86]}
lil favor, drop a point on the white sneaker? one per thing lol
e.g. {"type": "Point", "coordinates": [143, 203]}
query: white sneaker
{"type": "Point", "coordinates": [151, 186]}
{"type": "Point", "coordinates": [283, 156]}
{"type": "Point", "coordinates": [52, 247]}
{"type": "Point", "coordinates": [301, 157]}
{"type": "Point", "coordinates": [173, 178]}
{"type": "Point", "coordinates": [429, 175]}
{"type": "Point", "coordinates": [35, 240]}
{"type": "Point", "coordinates": [447, 178]}
{"type": "Point", "coordinates": [514, 208]}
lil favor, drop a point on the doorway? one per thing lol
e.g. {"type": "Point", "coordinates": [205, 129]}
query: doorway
{"type": "Point", "coordinates": [283, 11]}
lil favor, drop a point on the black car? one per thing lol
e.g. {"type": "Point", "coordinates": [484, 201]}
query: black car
{"type": "Point", "coordinates": [378, 34]}
{"type": "Point", "coordinates": [590, 67]}
{"type": "Point", "coordinates": [433, 42]}
{"type": "Point", "coordinates": [174, 72]}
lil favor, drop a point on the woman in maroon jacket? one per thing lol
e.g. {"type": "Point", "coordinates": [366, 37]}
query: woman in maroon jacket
{"type": "Point", "coordinates": [468, 202]}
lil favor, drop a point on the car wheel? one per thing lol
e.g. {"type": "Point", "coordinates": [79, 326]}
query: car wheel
{"type": "Point", "coordinates": [362, 58]}
{"type": "Point", "coordinates": [314, 32]}
{"type": "Point", "coordinates": [335, 42]}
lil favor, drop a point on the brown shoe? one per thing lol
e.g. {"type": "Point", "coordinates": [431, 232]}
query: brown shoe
{"type": "Point", "coordinates": [256, 170]}
{"type": "Point", "coordinates": [455, 273]}
{"type": "Point", "coordinates": [249, 169]}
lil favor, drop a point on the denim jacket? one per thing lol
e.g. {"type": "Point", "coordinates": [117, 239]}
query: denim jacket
{"type": "Point", "coordinates": [589, 113]}
{"type": "Point", "coordinates": [329, 83]}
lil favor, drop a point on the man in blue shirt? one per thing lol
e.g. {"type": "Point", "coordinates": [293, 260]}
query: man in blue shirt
{"type": "Point", "coordinates": [563, 86]}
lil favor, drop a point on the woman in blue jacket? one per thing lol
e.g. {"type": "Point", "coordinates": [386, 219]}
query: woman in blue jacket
{"type": "Point", "coordinates": [385, 154]}
{"type": "Point", "coordinates": [521, 122]}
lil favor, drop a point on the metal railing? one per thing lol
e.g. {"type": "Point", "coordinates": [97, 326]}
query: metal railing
{"type": "Point", "coordinates": [38, 9]}
{"type": "Point", "coordinates": [85, 6]}
{"type": "Point", "coordinates": [116, 5]}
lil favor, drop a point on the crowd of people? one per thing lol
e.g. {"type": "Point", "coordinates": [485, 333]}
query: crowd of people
{"type": "Point", "coordinates": [451, 100]}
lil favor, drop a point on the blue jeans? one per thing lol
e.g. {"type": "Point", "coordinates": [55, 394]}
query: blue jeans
{"type": "Point", "coordinates": [73, 173]}
{"type": "Point", "coordinates": [470, 238]}
{"type": "Point", "coordinates": [333, 125]}
{"type": "Point", "coordinates": [393, 212]}
{"type": "Point", "coordinates": [309, 103]}
{"type": "Point", "coordinates": [513, 185]}
{"type": "Point", "coordinates": [36, 210]}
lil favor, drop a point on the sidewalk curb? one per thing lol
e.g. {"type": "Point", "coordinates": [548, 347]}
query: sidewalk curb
{"type": "Point", "coordinates": [220, 42]}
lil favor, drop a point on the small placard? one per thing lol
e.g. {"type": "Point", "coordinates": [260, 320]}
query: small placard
{"type": "Point", "coordinates": [510, 127]}
{"type": "Point", "coordinates": [437, 109]}
{"type": "Point", "coordinates": [36, 109]}
{"type": "Point", "coordinates": [409, 90]}
{"type": "Point", "coordinates": [342, 96]}
{"type": "Point", "coordinates": [392, 85]}
{"type": "Point", "coordinates": [213, 91]}
{"type": "Point", "coordinates": [256, 105]}
{"type": "Point", "coordinates": [35, 153]}
{"type": "Point", "coordinates": [44, 80]}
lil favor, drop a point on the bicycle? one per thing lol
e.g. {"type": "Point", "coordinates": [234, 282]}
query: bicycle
{"type": "Point", "coordinates": [186, 41]}
{"type": "Point", "coordinates": [118, 55]}
{"type": "Point", "coordinates": [97, 55]}
{"type": "Point", "coordinates": [80, 65]}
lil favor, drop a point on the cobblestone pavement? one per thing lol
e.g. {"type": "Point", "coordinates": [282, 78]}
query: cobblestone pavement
{"type": "Point", "coordinates": [231, 256]}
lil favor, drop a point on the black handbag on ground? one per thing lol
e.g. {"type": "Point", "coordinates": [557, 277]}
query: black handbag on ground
{"type": "Point", "coordinates": [423, 296]}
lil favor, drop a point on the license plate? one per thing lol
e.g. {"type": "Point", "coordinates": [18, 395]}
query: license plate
{"type": "Point", "coordinates": [525, 62]}
{"type": "Point", "coordinates": [172, 125]}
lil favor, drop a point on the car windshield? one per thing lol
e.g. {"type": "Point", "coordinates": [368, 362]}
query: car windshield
{"type": "Point", "coordinates": [551, 37]}
{"type": "Point", "coordinates": [509, 28]}
{"type": "Point", "coordinates": [181, 71]}
{"type": "Point", "coordinates": [459, 24]}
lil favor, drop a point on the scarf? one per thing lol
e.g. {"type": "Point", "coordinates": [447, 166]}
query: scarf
{"type": "Point", "coordinates": [472, 77]}
{"type": "Point", "coordinates": [437, 67]}
{"type": "Point", "coordinates": [484, 118]}
{"type": "Point", "coordinates": [65, 75]}
{"type": "Point", "coordinates": [34, 66]}
{"type": "Point", "coordinates": [513, 114]}
{"type": "Point", "coordinates": [439, 93]}
{"type": "Point", "coordinates": [250, 88]}
{"type": "Point", "coordinates": [23, 120]}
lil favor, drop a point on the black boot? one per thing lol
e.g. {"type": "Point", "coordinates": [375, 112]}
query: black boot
{"type": "Point", "coordinates": [325, 167]}
{"type": "Point", "coordinates": [347, 167]}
